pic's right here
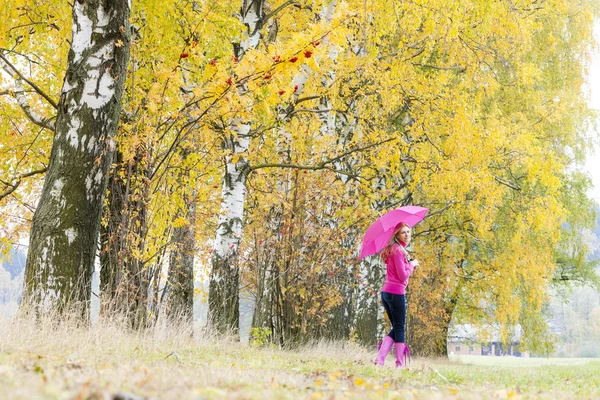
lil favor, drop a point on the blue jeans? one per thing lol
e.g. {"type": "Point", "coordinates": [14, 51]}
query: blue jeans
{"type": "Point", "coordinates": [395, 307]}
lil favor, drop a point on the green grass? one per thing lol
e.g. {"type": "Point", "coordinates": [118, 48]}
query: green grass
{"type": "Point", "coordinates": [40, 360]}
{"type": "Point", "coordinates": [521, 361]}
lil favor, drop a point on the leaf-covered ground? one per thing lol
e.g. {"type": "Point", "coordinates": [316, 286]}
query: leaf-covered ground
{"type": "Point", "coordinates": [38, 360]}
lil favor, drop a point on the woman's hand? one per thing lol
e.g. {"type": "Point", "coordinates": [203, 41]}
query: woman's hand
{"type": "Point", "coordinates": [414, 263]}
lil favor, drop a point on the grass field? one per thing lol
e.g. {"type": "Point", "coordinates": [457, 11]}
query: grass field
{"type": "Point", "coordinates": [41, 360]}
{"type": "Point", "coordinates": [521, 362]}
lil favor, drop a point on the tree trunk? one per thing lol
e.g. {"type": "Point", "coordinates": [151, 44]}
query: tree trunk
{"type": "Point", "coordinates": [178, 296]}
{"type": "Point", "coordinates": [111, 241]}
{"type": "Point", "coordinates": [430, 304]}
{"type": "Point", "coordinates": [124, 279]}
{"type": "Point", "coordinates": [223, 295]}
{"type": "Point", "coordinates": [64, 231]}
{"type": "Point", "coordinates": [367, 304]}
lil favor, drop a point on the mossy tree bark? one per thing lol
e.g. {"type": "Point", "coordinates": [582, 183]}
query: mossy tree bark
{"type": "Point", "coordinates": [64, 232]}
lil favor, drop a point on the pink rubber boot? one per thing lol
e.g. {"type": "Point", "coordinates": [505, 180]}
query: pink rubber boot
{"type": "Point", "coordinates": [402, 352]}
{"type": "Point", "coordinates": [384, 349]}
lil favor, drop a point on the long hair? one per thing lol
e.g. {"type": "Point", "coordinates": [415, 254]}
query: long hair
{"type": "Point", "coordinates": [387, 250]}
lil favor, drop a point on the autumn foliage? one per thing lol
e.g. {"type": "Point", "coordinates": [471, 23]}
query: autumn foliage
{"type": "Point", "coordinates": [474, 109]}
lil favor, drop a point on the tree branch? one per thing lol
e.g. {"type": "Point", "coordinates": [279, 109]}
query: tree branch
{"type": "Point", "coordinates": [300, 100]}
{"type": "Point", "coordinates": [323, 164]}
{"type": "Point", "coordinates": [507, 183]}
{"type": "Point", "coordinates": [11, 92]}
{"type": "Point", "coordinates": [30, 83]}
{"type": "Point", "coordinates": [19, 96]}
{"type": "Point", "coordinates": [456, 68]}
{"type": "Point", "coordinates": [14, 186]}
{"type": "Point", "coordinates": [315, 167]}
{"type": "Point", "coordinates": [275, 11]}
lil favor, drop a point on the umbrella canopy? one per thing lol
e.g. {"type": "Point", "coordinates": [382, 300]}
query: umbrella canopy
{"type": "Point", "coordinates": [380, 232]}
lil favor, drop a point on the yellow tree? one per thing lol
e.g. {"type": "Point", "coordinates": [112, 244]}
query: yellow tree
{"type": "Point", "coordinates": [500, 158]}
{"type": "Point", "coordinates": [467, 93]}
{"type": "Point", "coordinates": [28, 114]}
{"type": "Point", "coordinates": [279, 38]}
{"type": "Point", "coordinates": [167, 158]}
{"type": "Point", "coordinates": [65, 224]}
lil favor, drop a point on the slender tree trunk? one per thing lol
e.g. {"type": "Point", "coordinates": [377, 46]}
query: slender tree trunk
{"type": "Point", "coordinates": [124, 278]}
{"type": "Point", "coordinates": [178, 296]}
{"type": "Point", "coordinates": [273, 268]}
{"type": "Point", "coordinates": [111, 237]}
{"type": "Point", "coordinates": [223, 297]}
{"type": "Point", "coordinates": [430, 305]}
{"type": "Point", "coordinates": [64, 231]}
{"type": "Point", "coordinates": [371, 276]}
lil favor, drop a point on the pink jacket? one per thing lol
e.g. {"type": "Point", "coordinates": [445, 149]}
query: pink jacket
{"type": "Point", "coordinates": [398, 270]}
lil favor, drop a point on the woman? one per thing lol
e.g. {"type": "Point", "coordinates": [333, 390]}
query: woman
{"type": "Point", "coordinates": [398, 270]}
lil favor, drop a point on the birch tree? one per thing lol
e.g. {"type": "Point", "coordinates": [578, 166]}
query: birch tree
{"type": "Point", "coordinates": [64, 231]}
{"type": "Point", "coordinates": [223, 294]}
{"type": "Point", "coordinates": [167, 159]}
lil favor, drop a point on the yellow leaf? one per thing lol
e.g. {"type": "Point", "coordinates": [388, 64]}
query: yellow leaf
{"type": "Point", "coordinates": [179, 222]}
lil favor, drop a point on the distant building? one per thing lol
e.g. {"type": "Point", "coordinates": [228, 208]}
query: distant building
{"type": "Point", "coordinates": [464, 340]}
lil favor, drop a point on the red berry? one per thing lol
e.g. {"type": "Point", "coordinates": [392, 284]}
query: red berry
{"type": "Point", "coordinates": [235, 59]}
{"type": "Point", "coordinates": [295, 88]}
{"type": "Point", "coordinates": [281, 92]}
{"type": "Point", "coordinates": [316, 44]}
{"type": "Point", "coordinates": [213, 61]}
{"type": "Point", "coordinates": [230, 81]}
{"type": "Point", "coordinates": [184, 55]}
{"type": "Point", "coordinates": [307, 53]}
{"type": "Point", "coordinates": [293, 59]}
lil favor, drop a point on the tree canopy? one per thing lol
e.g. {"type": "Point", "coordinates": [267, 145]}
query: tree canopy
{"type": "Point", "coordinates": [325, 114]}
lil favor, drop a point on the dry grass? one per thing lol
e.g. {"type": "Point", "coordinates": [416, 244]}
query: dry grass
{"type": "Point", "coordinates": [43, 359]}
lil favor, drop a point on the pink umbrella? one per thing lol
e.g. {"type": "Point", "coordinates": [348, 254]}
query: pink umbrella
{"type": "Point", "coordinates": [380, 232]}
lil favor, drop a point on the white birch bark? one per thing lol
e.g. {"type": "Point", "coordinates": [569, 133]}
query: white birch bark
{"type": "Point", "coordinates": [223, 298]}
{"type": "Point", "coordinates": [65, 225]}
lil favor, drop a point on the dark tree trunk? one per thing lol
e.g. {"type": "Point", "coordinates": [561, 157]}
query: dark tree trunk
{"type": "Point", "coordinates": [178, 296]}
{"type": "Point", "coordinates": [430, 313]}
{"type": "Point", "coordinates": [111, 241]}
{"type": "Point", "coordinates": [224, 298]}
{"type": "Point", "coordinates": [64, 232]}
{"type": "Point", "coordinates": [124, 278]}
